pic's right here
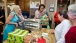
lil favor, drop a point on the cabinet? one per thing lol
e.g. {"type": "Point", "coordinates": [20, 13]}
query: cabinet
{"type": "Point", "coordinates": [24, 5]}
{"type": "Point", "coordinates": [34, 5]}
{"type": "Point", "coordinates": [11, 1]}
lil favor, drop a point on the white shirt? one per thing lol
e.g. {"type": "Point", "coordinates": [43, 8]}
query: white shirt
{"type": "Point", "coordinates": [38, 14]}
{"type": "Point", "coordinates": [61, 30]}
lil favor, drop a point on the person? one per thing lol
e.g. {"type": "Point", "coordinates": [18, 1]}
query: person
{"type": "Point", "coordinates": [38, 12]}
{"type": "Point", "coordinates": [1, 14]}
{"type": "Point", "coordinates": [1, 24]}
{"type": "Point", "coordinates": [45, 20]}
{"type": "Point", "coordinates": [62, 28]}
{"type": "Point", "coordinates": [70, 36]}
{"type": "Point", "coordinates": [56, 20]}
{"type": "Point", "coordinates": [21, 20]}
{"type": "Point", "coordinates": [11, 22]}
{"type": "Point", "coordinates": [3, 19]}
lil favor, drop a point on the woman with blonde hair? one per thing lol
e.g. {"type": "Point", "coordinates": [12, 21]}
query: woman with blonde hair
{"type": "Point", "coordinates": [11, 21]}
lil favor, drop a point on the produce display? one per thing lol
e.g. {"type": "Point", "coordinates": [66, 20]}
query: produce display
{"type": "Point", "coordinates": [17, 36]}
{"type": "Point", "coordinates": [31, 37]}
{"type": "Point", "coordinates": [28, 38]}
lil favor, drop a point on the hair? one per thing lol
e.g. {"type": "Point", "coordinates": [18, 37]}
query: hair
{"type": "Point", "coordinates": [0, 7]}
{"type": "Point", "coordinates": [15, 8]}
{"type": "Point", "coordinates": [64, 13]}
{"type": "Point", "coordinates": [8, 10]}
{"type": "Point", "coordinates": [41, 5]}
{"type": "Point", "coordinates": [72, 9]}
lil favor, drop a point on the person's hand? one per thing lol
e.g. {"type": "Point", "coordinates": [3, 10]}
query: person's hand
{"type": "Point", "coordinates": [52, 31]}
{"type": "Point", "coordinates": [23, 20]}
{"type": "Point", "coordinates": [20, 23]}
{"type": "Point", "coordinates": [46, 20]}
{"type": "Point", "coordinates": [34, 17]}
{"type": "Point", "coordinates": [25, 17]}
{"type": "Point", "coordinates": [16, 25]}
{"type": "Point", "coordinates": [1, 17]}
{"type": "Point", "coordinates": [2, 33]}
{"type": "Point", "coordinates": [46, 17]}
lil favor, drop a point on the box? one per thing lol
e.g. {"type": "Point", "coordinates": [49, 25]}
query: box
{"type": "Point", "coordinates": [11, 33]}
{"type": "Point", "coordinates": [10, 40]}
{"type": "Point", "coordinates": [21, 36]}
{"type": "Point", "coordinates": [17, 36]}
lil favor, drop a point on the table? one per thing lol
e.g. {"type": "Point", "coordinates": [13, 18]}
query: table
{"type": "Point", "coordinates": [51, 36]}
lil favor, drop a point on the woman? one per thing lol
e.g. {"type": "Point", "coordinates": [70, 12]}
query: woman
{"type": "Point", "coordinates": [70, 37]}
{"type": "Point", "coordinates": [38, 12]}
{"type": "Point", "coordinates": [63, 27]}
{"type": "Point", "coordinates": [21, 20]}
{"type": "Point", "coordinates": [11, 21]}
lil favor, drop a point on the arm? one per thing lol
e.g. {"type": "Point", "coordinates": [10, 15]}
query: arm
{"type": "Point", "coordinates": [2, 16]}
{"type": "Point", "coordinates": [65, 27]}
{"type": "Point", "coordinates": [8, 20]}
{"type": "Point", "coordinates": [36, 15]}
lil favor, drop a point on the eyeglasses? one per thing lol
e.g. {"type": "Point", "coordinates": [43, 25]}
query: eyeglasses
{"type": "Point", "coordinates": [72, 13]}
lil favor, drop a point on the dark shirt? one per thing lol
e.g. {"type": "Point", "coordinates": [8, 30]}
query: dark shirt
{"type": "Point", "coordinates": [3, 19]}
{"type": "Point", "coordinates": [70, 37]}
{"type": "Point", "coordinates": [1, 13]}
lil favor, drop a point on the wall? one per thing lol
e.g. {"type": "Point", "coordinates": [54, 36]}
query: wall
{"type": "Point", "coordinates": [43, 1]}
{"type": "Point", "coordinates": [51, 14]}
{"type": "Point", "coordinates": [1, 4]}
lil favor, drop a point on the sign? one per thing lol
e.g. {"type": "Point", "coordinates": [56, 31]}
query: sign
{"type": "Point", "coordinates": [51, 7]}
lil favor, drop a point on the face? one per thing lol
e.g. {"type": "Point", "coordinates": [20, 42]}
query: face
{"type": "Point", "coordinates": [60, 17]}
{"type": "Point", "coordinates": [70, 16]}
{"type": "Point", "coordinates": [41, 8]}
{"type": "Point", "coordinates": [19, 11]}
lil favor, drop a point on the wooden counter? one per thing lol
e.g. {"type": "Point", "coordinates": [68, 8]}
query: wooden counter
{"type": "Point", "coordinates": [44, 30]}
{"type": "Point", "coordinates": [51, 36]}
